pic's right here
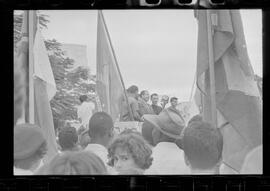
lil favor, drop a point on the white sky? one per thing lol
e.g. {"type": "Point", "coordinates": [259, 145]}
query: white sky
{"type": "Point", "coordinates": [156, 49]}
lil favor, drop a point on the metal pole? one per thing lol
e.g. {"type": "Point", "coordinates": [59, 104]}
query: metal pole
{"type": "Point", "coordinates": [129, 109]}
{"type": "Point", "coordinates": [211, 69]}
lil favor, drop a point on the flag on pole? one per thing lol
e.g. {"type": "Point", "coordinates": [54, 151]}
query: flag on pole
{"type": "Point", "coordinates": [44, 90]}
{"type": "Point", "coordinates": [237, 95]}
{"type": "Point", "coordinates": [110, 89]}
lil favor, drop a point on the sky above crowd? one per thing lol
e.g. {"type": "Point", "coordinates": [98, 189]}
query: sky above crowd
{"type": "Point", "coordinates": [155, 49]}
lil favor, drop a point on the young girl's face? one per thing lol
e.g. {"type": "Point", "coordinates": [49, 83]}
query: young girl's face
{"type": "Point", "coordinates": [123, 161]}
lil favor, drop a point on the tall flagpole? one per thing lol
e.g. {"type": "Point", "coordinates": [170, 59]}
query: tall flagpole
{"type": "Point", "coordinates": [211, 69]}
{"type": "Point", "coordinates": [125, 93]}
{"type": "Point", "coordinates": [32, 27]}
{"type": "Point", "coordinates": [210, 32]}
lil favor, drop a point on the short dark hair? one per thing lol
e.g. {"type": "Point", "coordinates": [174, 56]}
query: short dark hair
{"type": "Point", "coordinates": [154, 94]}
{"type": "Point", "coordinates": [196, 118]}
{"type": "Point", "coordinates": [68, 138]}
{"type": "Point", "coordinates": [100, 124]}
{"type": "Point", "coordinates": [76, 163]}
{"type": "Point", "coordinates": [83, 98]}
{"type": "Point", "coordinates": [173, 98]}
{"type": "Point", "coordinates": [132, 89]}
{"type": "Point", "coordinates": [143, 92]}
{"type": "Point", "coordinates": [202, 145]}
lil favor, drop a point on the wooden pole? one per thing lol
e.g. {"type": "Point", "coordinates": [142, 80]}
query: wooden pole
{"type": "Point", "coordinates": [125, 93]}
{"type": "Point", "coordinates": [212, 74]}
{"type": "Point", "coordinates": [31, 102]}
{"type": "Point", "coordinates": [211, 69]}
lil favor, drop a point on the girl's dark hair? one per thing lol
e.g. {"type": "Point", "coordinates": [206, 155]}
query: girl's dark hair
{"type": "Point", "coordinates": [135, 145]}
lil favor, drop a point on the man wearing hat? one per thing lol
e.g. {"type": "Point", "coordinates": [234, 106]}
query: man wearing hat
{"type": "Point", "coordinates": [30, 147]}
{"type": "Point", "coordinates": [168, 157]}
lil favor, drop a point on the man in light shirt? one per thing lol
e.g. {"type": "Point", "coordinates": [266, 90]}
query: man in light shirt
{"type": "Point", "coordinates": [168, 157]}
{"type": "Point", "coordinates": [100, 133]}
{"type": "Point", "coordinates": [85, 110]}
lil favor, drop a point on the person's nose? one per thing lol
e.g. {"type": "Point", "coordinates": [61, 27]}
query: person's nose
{"type": "Point", "coordinates": [118, 164]}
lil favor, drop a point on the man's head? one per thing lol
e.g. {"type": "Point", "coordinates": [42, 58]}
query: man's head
{"type": "Point", "coordinates": [68, 138]}
{"type": "Point", "coordinates": [101, 128]}
{"type": "Point", "coordinates": [164, 100]}
{"type": "Point", "coordinates": [154, 99]}
{"type": "Point", "coordinates": [145, 95]}
{"type": "Point", "coordinates": [174, 101]}
{"type": "Point", "coordinates": [30, 146]}
{"type": "Point", "coordinates": [83, 98]}
{"type": "Point", "coordinates": [202, 145]}
{"type": "Point", "coordinates": [133, 90]}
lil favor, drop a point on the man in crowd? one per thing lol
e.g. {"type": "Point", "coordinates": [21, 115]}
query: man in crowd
{"type": "Point", "coordinates": [168, 158]}
{"type": "Point", "coordinates": [101, 134]}
{"type": "Point", "coordinates": [132, 93]}
{"type": "Point", "coordinates": [30, 147]}
{"type": "Point", "coordinates": [144, 107]}
{"type": "Point", "coordinates": [157, 109]}
{"type": "Point", "coordinates": [85, 110]}
{"type": "Point", "coordinates": [202, 145]}
{"type": "Point", "coordinates": [164, 101]}
{"type": "Point", "coordinates": [68, 139]}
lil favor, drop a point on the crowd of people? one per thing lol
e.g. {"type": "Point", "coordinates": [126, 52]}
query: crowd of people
{"type": "Point", "coordinates": [164, 146]}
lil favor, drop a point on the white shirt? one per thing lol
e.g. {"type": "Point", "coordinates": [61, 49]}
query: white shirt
{"type": "Point", "coordinates": [85, 111]}
{"type": "Point", "coordinates": [18, 171]}
{"type": "Point", "coordinates": [168, 158]}
{"type": "Point", "coordinates": [102, 153]}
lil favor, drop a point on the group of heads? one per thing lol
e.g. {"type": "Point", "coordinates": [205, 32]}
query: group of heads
{"type": "Point", "coordinates": [144, 94]}
{"type": "Point", "coordinates": [201, 142]}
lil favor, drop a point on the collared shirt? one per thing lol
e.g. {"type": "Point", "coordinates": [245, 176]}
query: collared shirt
{"type": "Point", "coordinates": [145, 108]}
{"type": "Point", "coordinates": [168, 159]}
{"type": "Point", "coordinates": [102, 153]}
{"type": "Point", "coordinates": [157, 109]}
{"type": "Point", "coordinates": [85, 112]}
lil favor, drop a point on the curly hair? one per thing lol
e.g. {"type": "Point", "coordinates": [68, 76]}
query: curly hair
{"type": "Point", "coordinates": [135, 145]}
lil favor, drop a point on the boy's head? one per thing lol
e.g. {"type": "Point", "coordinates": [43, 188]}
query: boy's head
{"type": "Point", "coordinates": [154, 99]}
{"type": "Point", "coordinates": [129, 151]}
{"type": "Point", "coordinates": [68, 138]}
{"type": "Point", "coordinates": [145, 95]}
{"type": "Point", "coordinates": [133, 90]}
{"type": "Point", "coordinates": [202, 145]}
{"type": "Point", "coordinates": [76, 163]}
{"type": "Point", "coordinates": [101, 128]}
{"type": "Point", "coordinates": [174, 101]}
{"type": "Point", "coordinates": [83, 98]}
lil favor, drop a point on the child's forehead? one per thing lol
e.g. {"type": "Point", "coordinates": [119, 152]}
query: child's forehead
{"type": "Point", "coordinates": [122, 151]}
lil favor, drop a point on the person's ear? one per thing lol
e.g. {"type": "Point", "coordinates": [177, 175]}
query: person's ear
{"type": "Point", "coordinates": [186, 160]}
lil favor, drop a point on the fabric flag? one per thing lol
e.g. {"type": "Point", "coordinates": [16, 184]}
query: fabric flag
{"type": "Point", "coordinates": [44, 90]}
{"type": "Point", "coordinates": [21, 62]}
{"type": "Point", "coordinates": [109, 87]}
{"type": "Point", "coordinates": [237, 96]}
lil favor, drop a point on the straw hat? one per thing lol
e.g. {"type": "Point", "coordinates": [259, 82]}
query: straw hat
{"type": "Point", "coordinates": [168, 122]}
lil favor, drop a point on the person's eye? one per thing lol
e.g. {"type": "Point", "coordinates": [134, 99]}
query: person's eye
{"type": "Point", "coordinates": [125, 158]}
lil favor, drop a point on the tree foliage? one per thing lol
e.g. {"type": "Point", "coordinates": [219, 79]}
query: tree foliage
{"type": "Point", "coordinates": [70, 83]}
